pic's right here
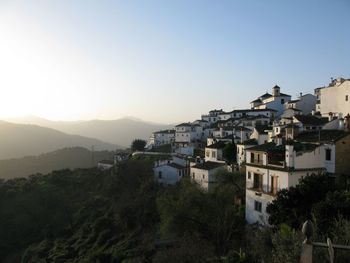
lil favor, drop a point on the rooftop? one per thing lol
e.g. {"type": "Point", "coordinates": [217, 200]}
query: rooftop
{"type": "Point", "coordinates": [186, 124]}
{"type": "Point", "coordinates": [261, 129]}
{"type": "Point", "coordinates": [176, 166]}
{"type": "Point", "coordinates": [267, 147]}
{"type": "Point", "coordinates": [208, 165]}
{"type": "Point", "coordinates": [217, 145]}
{"type": "Point", "coordinates": [311, 120]}
{"type": "Point", "coordinates": [249, 142]}
{"type": "Point", "coordinates": [165, 132]}
{"type": "Point", "coordinates": [321, 136]}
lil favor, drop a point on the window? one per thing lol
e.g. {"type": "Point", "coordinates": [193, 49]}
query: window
{"type": "Point", "coordinates": [257, 181]}
{"type": "Point", "coordinates": [328, 154]}
{"type": "Point", "coordinates": [282, 101]}
{"type": "Point", "coordinates": [203, 176]}
{"type": "Point", "coordinates": [192, 175]}
{"type": "Point", "coordinates": [160, 175]}
{"type": "Point", "coordinates": [213, 154]}
{"type": "Point", "coordinates": [257, 206]}
{"type": "Point", "coordinates": [252, 157]}
{"type": "Point", "coordinates": [207, 153]}
{"type": "Point", "coordinates": [249, 175]}
{"type": "Point", "coordinates": [346, 97]}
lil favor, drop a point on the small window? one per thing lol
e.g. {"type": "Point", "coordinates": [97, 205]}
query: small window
{"type": "Point", "coordinates": [192, 175]}
{"type": "Point", "coordinates": [252, 157]}
{"type": "Point", "coordinates": [282, 101]}
{"type": "Point", "coordinates": [203, 176]}
{"type": "Point", "coordinates": [249, 175]}
{"type": "Point", "coordinates": [328, 154]}
{"type": "Point", "coordinates": [257, 206]}
{"type": "Point", "coordinates": [346, 97]}
{"type": "Point", "coordinates": [160, 175]}
{"type": "Point", "coordinates": [213, 154]}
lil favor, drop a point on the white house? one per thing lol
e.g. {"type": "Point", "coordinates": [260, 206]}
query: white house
{"type": "Point", "coordinates": [214, 152]}
{"type": "Point", "coordinates": [334, 99]}
{"type": "Point", "coordinates": [188, 134]}
{"type": "Point", "coordinates": [169, 173]}
{"type": "Point", "coordinates": [275, 101]}
{"type": "Point", "coordinates": [290, 112]}
{"type": "Point", "coordinates": [271, 167]}
{"type": "Point", "coordinates": [160, 138]}
{"type": "Point", "coordinates": [205, 174]}
{"type": "Point", "coordinates": [309, 122]}
{"type": "Point", "coordinates": [305, 103]}
{"type": "Point", "coordinates": [213, 116]}
{"type": "Point", "coordinates": [260, 134]}
{"type": "Point", "coordinates": [241, 150]}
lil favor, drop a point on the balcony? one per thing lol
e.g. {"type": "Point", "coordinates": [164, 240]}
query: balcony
{"type": "Point", "coordinates": [260, 190]}
{"type": "Point", "coordinates": [258, 162]}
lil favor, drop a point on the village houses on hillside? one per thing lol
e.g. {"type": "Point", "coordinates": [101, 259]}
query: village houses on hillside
{"type": "Point", "coordinates": [276, 142]}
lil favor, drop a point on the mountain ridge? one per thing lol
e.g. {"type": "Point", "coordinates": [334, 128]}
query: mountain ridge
{"type": "Point", "coordinates": [19, 140]}
{"type": "Point", "coordinates": [120, 131]}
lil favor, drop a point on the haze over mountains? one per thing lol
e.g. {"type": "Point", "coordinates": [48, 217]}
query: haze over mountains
{"type": "Point", "coordinates": [19, 140]}
{"type": "Point", "coordinates": [119, 132]}
{"type": "Point", "coordinates": [67, 158]}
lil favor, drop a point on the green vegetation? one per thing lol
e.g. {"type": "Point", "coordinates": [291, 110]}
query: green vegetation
{"type": "Point", "coordinates": [138, 145]}
{"type": "Point", "coordinates": [230, 152]}
{"type": "Point", "coordinates": [123, 215]}
{"type": "Point", "coordinates": [67, 158]}
{"type": "Point", "coordinates": [166, 148]}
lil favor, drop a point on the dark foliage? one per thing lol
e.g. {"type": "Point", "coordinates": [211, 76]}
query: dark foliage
{"type": "Point", "coordinates": [138, 145]}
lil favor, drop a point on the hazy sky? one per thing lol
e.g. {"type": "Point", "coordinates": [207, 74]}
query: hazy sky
{"type": "Point", "coordinates": [167, 60]}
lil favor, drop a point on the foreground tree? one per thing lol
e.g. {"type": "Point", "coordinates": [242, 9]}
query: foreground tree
{"type": "Point", "coordinates": [320, 198]}
{"type": "Point", "coordinates": [214, 217]}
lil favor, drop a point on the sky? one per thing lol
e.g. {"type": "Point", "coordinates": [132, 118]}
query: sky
{"type": "Point", "coordinates": [164, 61]}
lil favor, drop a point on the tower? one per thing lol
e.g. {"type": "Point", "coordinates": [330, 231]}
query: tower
{"type": "Point", "coordinates": [276, 91]}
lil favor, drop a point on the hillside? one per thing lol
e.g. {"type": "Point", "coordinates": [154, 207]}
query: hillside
{"type": "Point", "coordinates": [67, 158]}
{"type": "Point", "coordinates": [19, 140]}
{"type": "Point", "coordinates": [119, 132]}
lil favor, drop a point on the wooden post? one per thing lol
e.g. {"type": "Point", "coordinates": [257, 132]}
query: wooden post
{"type": "Point", "coordinates": [330, 250]}
{"type": "Point", "coordinates": [307, 247]}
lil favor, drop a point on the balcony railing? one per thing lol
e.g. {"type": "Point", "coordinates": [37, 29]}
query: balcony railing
{"type": "Point", "coordinates": [259, 162]}
{"type": "Point", "coordinates": [262, 191]}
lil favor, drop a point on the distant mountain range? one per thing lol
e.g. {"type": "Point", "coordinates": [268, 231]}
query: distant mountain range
{"type": "Point", "coordinates": [67, 158]}
{"type": "Point", "coordinates": [19, 140]}
{"type": "Point", "coordinates": [119, 132]}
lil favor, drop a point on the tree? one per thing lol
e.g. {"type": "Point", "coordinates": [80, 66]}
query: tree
{"type": "Point", "coordinates": [296, 204]}
{"type": "Point", "coordinates": [188, 210]}
{"type": "Point", "coordinates": [230, 152]}
{"type": "Point", "coordinates": [138, 145]}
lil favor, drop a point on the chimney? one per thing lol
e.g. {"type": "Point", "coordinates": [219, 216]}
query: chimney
{"type": "Point", "coordinates": [330, 116]}
{"type": "Point", "coordinates": [313, 112]}
{"type": "Point", "coordinates": [241, 135]}
{"type": "Point", "coordinates": [301, 94]}
{"type": "Point", "coordinates": [341, 124]}
{"type": "Point", "coordinates": [347, 123]}
{"type": "Point", "coordinates": [289, 158]}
